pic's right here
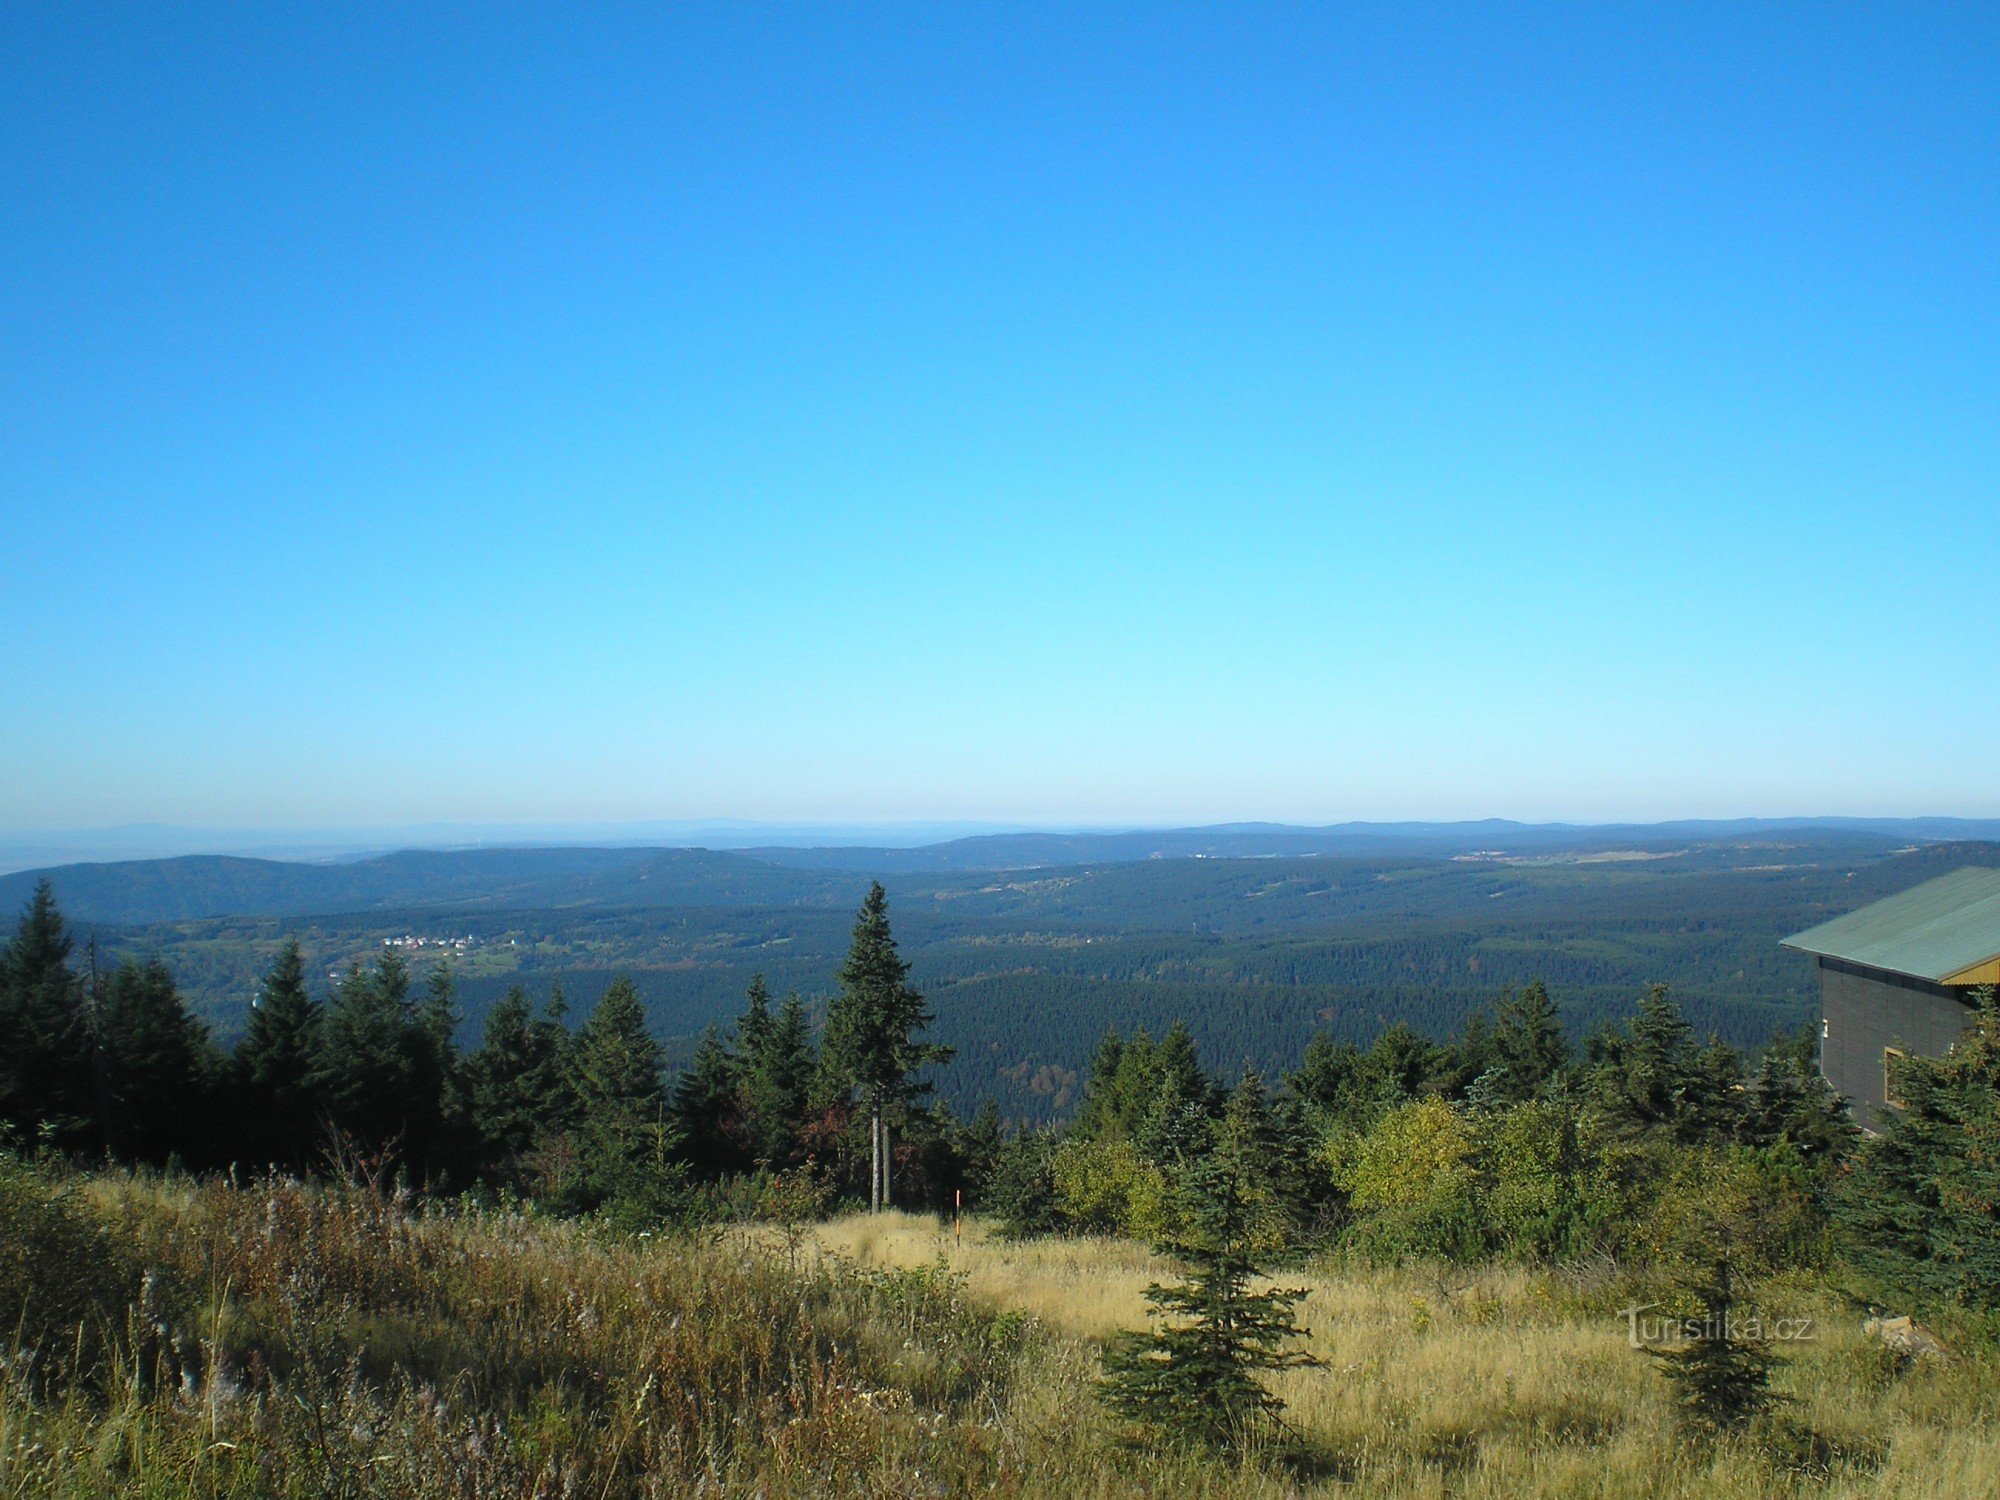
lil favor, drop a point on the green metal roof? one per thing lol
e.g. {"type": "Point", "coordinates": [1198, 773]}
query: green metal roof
{"type": "Point", "coordinates": [1941, 927]}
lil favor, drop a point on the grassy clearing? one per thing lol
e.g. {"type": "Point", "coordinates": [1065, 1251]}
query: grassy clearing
{"type": "Point", "coordinates": [282, 1340]}
{"type": "Point", "coordinates": [1508, 1381]}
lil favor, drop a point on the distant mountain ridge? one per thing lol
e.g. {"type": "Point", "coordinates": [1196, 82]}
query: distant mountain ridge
{"type": "Point", "coordinates": [1012, 851]}
{"type": "Point", "coordinates": [203, 886]}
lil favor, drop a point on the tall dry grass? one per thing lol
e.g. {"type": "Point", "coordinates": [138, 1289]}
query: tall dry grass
{"type": "Point", "coordinates": [294, 1341]}
{"type": "Point", "coordinates": [1509, 1381]}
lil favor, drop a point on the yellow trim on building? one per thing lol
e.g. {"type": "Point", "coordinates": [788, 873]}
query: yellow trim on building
{"type": "Point", "coordinates": [1986, 973]}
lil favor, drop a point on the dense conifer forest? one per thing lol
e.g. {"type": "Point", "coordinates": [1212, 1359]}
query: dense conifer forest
{"type": "Point", "coordinates": [1025, 967]}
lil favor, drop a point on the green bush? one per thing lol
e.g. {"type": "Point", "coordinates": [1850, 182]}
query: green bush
{"type": "Point", "coordinates": [1413, 1181]}
{"type": "Point", "coordinates": [1107, 1187]}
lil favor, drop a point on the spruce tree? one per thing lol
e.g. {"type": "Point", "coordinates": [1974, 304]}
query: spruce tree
{"type": "Point", "coordinates": [1720, 1381]}
{"type": "Point", "coordinates": [708, 1110]}
{"type": "Point", "coordinates": [556, 1083]}
{"type": "Point", "coordinates": [1789, 1102]}
{"type": "Point", "coordinates": [1193, 1378]}
{"type": "Point", "coordinates": [777, 1083]}
{"type": "Point", "coordinates": [440, 1128]}
{"type": "Point", "coordinates": [501, 1078]}
{"type": "Point", "coordinates": [1097, 1114]}
{"type": "Point", "coordinates": [621, 1100]}
{"type": "Point", "coordinates": [1530, 1050]}
{"type": "Point", "coordinates": [1329, 1080]}
{"type": "Point", "coordinates": [274, 1064]}
{"type": "Point", "coordinates": [154, 1066]}
{"type": "Point", "coordinates": [753, 1027]}
{"type": "Point", "coordinates": [1647, 1071]}
{"type": "Point", "coordinates": [367, 1070]}
{"type": "Point", "coordinates": [46, 1087]}
{"type": "Point", "coordinates": [871, 1030]}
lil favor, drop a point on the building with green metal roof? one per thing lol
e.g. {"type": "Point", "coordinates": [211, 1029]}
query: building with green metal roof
{"type": "Point", "coordinates": [1896, 980]}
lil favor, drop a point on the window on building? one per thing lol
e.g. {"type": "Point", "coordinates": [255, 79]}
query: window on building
{"type": "Point", "coordinates": [1892, 1075]}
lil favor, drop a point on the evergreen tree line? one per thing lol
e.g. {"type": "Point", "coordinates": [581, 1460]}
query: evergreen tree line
{"type": "Point", "coordinates": [370, 1080]}
{"type": "Point", "coordinates": [1648, 1145]}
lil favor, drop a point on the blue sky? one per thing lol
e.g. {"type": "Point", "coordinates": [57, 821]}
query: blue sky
{"type": "Point", "coordinates": [1066, 414]}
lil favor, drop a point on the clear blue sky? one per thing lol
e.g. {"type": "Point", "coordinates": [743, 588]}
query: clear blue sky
{"type": "Point", "coordinates": [1152, 414]}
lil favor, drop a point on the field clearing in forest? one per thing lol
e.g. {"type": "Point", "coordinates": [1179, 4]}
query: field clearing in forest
{"type": "Point", "coordinates": [1506, 1380]}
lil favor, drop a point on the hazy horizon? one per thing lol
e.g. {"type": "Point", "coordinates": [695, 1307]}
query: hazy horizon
{"type": "Point", "coordinates": [25, 849]}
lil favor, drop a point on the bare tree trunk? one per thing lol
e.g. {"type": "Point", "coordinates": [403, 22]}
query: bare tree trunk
{"type": "Point", "coordinates": [888, 1160]}
{"type": "Point", "coordinates": [875, 1162]}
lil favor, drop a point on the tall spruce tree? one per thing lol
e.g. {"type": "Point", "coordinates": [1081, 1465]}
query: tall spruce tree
{"type": "Point", "coordinates": [154, 1065]}
{"type": "Point", "coordinates": [274, 1065]}
{"type": "Point", "coordinates": [871, 1035]}
{"type": "Point", "coordinates": [367, 1072]}
{"type": "Point", "coordinates": [500, 1080]}
{"type": "Point", "coordinates": [777, 1082]}
{"type": "Point", "coordinates": [553, 1048]}
{"type": "Point", "coordinates": [1650, 1077]}
{"type": "Point", "coordinates": [46, 1086]}
{"type": "Point", "coordinates": [1529, 1048]}
{"type": "Point", "coordinates": [441, 1126]}
{"type": "Point", "coordinates": [517, 1085]}
{"type": "Point", "coordinates": [621, 1099]}
{"type": "Point", "coordinates": [708, 1110]}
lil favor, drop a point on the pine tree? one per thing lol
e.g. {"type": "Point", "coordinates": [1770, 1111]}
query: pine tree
{"type": "Point", "coordinates": [154, 1065]}
{"type": "Point", "coordinates": [1530, 1050]}
{"type": "Point", "coordinates": [1193, 1377]}
{"type": "Point", "coordinates": [504, 1078]}
{"type": "Point", "coordinates": [707, 1109]}
{"type": "Point", "coordinates": [777, 1069]}
{"type": "Point", "coordinates": [440, 1128]}
{"type": "Point", "coordinates": [1721, 1382]}
{"type": "Point", "coordinates": [366, 1072]}
{"type": "Point", "coordinates": [622, 1103]}
{"type": "Point", "coordinates": [45, 1071]}
{"type": "Point", "coordinates": [871, 1031]}
{"type": "Point", "coordinates": [1648, 1072]}
{"type": "Point", "coordinates": [274, 1063]}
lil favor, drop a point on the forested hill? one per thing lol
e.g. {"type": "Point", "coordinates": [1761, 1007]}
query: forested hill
{"type": "Point", "coordinates": [181, 889]}
{"type": "Point", "coordinates": [1014, 851]}
{"type": "Point", "coordinates": [1027, 967]}
{"type": "Point", "coordinates": [196, 886]}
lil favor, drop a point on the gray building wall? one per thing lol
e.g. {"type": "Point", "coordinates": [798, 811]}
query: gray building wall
{"type": "Point", "coordinates": [1864, 1012]}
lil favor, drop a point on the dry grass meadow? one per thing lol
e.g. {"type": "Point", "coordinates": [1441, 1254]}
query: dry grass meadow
{"type": "Point", "coordinates": [1502, 1381]}
{"type": "Point", "coordinates": [284, 1340]}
